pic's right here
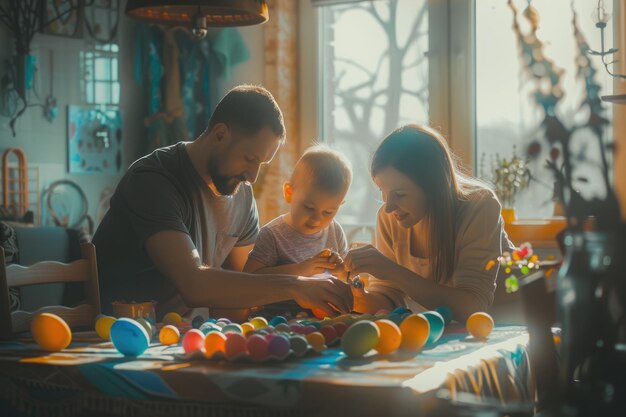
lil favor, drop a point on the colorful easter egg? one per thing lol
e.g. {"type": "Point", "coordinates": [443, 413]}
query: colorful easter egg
{"type": "Point", "coordinates": [169, 335]}
{"type": "Point", "coordinates": [298, 344]}
{"type": "Point", "coordinates": [480, 325]}
{"type": "Point", "coordinates": [232, 327]}
{"type": "Point", "coordinates": [276, 320]}
{"type": "Point", "coordinates": [247, 328]}
{"type": "Point", "coordinates": [259, 322]}
{"type": "Point", "coordinates": [129, 337]}
{"type": "Point", "coordinates": [340, 328]}
{"type": "Point", "coordinates": [172, 318]}
{"type": "Point", "coordinates": [193, 340]}
{"type": "Point", "coordinates": [236, 345]}
{"type": "Point", "coordinates": [319, 313]}
{"type": "Point", "coordinates": [415, 330]}
{"type": "Point", "coordinates": [445, 312]}
{"type": "Point", "coordinates": [390, 337]}
{"type": "Point", "coordinates": [436, 323]}
{"type": "Point", "coordinates": [50, 332]}
{"type": "Point", "coordinates": [214, 342]}
{"type": "Point", "coordinates": [317, 340]}
{"type": "Point", "coordinates": [360, 338]}
{"type": "Point", "coordinates": [279, 345]}
{"type": "Point", "coordinates": [329, 332]}
{"type": "Point", "coordinates": [103, 327]}
{"type": "Point", "coordinates": [258, 347]}
{"type": "Point", "coordinates": [197, 322]}
{"type": "Point", "coordinates": [148, 326]}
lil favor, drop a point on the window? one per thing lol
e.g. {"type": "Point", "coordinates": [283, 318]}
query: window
{"type": "Point", "coordinates": [374, 77]}
{"type": "Point", "coordinates": [100, 75]}
{"type": "Point", "coordinates": [507, 114]}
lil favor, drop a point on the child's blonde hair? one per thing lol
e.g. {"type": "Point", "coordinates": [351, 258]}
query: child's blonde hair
{"type": "Point", "coordinates": [327, 169]}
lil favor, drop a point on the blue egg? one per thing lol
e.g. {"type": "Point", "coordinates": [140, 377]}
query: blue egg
{"type": "Point", "coordinates": [275, 321]}
{"type": "Point", "coordinates": [210, 321]}
{"type": "Point", "coordinates": [197, 322]}
{"type": "Point", "coordinates": [445, 312]}
{"type": "Point", "coordinates": [395, 317]}
{"type": "Point", "coordinates": [436, 323]}
{"type": "Point", "coordinates": [400, 310]}
{"type": "Point", "coordinates": [129, 337]}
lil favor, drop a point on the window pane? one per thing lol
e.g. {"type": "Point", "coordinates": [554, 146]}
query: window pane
{"type": "Point", "coordinates": [374, 78]}
{"type": "Point", "coordinates": [103, 93]}
{"type": "Point", "coordinates": [507, 114]}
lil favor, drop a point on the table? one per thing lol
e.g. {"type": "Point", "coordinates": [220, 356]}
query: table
{"type": "Point", "coordinates": [92, 379]}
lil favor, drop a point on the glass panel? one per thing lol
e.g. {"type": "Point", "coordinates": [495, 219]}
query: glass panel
{"type": "Point", "coordinates": [102, 93]}
{"type": "Point", "coordinates": [508, 115]}
{"type": "Point", "coordinates": [374, 78]}
{"type": "Point", "coordinates": [115, 93]}
{"type": "Point", "coordinates": [102, 68]}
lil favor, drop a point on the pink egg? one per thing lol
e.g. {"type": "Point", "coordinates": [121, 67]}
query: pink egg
{"type": "Point", "coordinates": [193, 340]}
{"type": "Point", "coordinates": [330, 334]}
{"type": "Point", "coordinates": [258, 347]}
{"type": "Point", "coordinates": [235, 345]}
{"type": "Point", "coordinates": [269, 337]}
{"type": "Point", "coordinates": [279, 346]}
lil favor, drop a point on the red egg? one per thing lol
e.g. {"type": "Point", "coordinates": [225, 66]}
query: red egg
{"type": "Point", "coordinates": [193, 340]}
{"type": "Point", "coordinates": [236, 345]}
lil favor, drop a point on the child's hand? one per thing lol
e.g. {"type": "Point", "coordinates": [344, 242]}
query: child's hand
{"type": "Point", "coordinates": [318, 263]}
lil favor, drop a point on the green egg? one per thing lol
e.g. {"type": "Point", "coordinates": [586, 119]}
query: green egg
{"type": "Point", "coordinates": [360, 338]}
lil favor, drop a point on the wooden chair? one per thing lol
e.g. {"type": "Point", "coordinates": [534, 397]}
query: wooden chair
{"type": "Point", "coordinates": [47, 272]}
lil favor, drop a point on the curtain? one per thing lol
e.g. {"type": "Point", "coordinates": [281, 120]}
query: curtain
{"type": "Point", "coordinates": [281, 79]}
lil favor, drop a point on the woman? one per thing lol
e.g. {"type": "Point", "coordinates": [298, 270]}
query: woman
{"type": "Point", "coordinates": [436, 231]}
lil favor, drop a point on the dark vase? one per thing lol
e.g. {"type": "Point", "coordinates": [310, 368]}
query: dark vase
{"type": "Point", "coordinates": [591, 303]}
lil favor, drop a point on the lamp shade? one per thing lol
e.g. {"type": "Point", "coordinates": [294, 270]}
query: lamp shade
{"type": "Point", "coordinates": [217, 13]}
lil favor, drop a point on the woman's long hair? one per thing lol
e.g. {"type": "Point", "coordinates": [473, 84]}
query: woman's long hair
{"type": "Point", "coordinates": [422, 154]}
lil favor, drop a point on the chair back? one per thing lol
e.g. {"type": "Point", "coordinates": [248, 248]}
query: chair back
{"type": "Point", "coordinates": [83, 270]}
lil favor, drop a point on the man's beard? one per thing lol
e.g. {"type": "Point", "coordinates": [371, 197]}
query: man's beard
{"type": "Point", "coordinates": [225, 185]}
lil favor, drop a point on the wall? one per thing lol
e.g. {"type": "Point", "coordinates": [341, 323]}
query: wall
{"type": "Point", "coordinates": [46, 143]}
{"type": "Point", "coordinates": [619, 115]}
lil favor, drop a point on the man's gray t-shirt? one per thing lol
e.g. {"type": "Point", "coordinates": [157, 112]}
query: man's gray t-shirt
{"type": "Point", "coordinates": [163, 191]}
{"type": "Point", "coordinates": [280, 244]}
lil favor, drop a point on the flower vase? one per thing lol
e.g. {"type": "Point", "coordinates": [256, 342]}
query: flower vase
{"type": "Point", "coordinates": [508, 215]}
{"type": "Point", "coordinates": [591, 313]}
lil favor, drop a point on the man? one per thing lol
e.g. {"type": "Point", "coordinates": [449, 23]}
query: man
{"type": "Point", "coordinates": [183, 220]}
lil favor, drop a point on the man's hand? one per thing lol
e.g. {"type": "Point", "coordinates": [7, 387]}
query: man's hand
{"type": "Point", "coordinates": [328, 294]}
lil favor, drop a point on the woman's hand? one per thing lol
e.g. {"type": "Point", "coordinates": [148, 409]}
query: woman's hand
{"type": "Point", "coordinates": [370, 260]}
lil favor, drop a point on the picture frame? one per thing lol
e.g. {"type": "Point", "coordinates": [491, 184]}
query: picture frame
{"type": "Point", "coordinates": [63, 18]}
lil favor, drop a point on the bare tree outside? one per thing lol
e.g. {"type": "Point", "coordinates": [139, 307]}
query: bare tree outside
{"type": "Point", "coordinates": [374, 79]}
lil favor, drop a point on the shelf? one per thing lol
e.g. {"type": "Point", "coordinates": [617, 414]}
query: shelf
{"type": "Point", "coordinates": [616, 99]}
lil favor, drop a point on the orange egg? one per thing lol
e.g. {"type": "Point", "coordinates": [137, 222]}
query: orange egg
{"type": "Point", "coordinates": [479, 325]}
{"type": "Point", "coordinates": [390, 336]}
{"type": "Point", "coordinates": [169, 335]}
{"type": "Point", "coordinates": [415, 330]}
{"type": "Point", "coordinates": [214, 342]}
{"type": "Point", "coordinates": [50, 332]}
{"type": "Point", "coordinates": [319, 313]}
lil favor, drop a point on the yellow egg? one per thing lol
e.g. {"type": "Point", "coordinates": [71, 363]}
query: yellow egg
{"type": "Point", "coordinates": [259, 322]}
{"type": "Point", "coordinates": [317, 340]}
{"type": "Point", "coordinates": [390, 336]}
{"type": "Point", "coordinates": [415, 330]}
{"type": "Point", "coordinates": [103, 327]}
{"type": "Point", "coordinates": [247, 327]}
{"type": "Point", "coordinates": [50, 332]}
{"type": "Point", "coordinates": [479, 325]}
{"type": "Point", "coordinates": [169, 335]}
{"type": "Point", "coordinates": [172, 318]}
